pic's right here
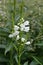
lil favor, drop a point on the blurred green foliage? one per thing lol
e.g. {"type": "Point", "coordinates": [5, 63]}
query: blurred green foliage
{"type": "Point", "coordinates": [31, 10]}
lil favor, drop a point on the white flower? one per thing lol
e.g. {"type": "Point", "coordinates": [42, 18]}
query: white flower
{"type": "Point", "coordinates": [26, 29]}
{"type": "Point", "coordinates": [28, 43]}
{"type": "Point", "coordinates": [16, 27]}
{"type": "Point", "coordinates": [22, 27]}
{"type": "Point", "coordinates": [22, 39]}
{"type": "Point", "coordinates": [26, 23]}
{"type": "Point", "coordinates": [15, 33]}
{"type": "Point", "coordinates": [18, 37]}
{"type": "Point", "coordinates": [10, 36]}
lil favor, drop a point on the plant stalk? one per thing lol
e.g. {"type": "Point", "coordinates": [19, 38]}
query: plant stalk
{"type": "Point", "coordinates": [19, 55]}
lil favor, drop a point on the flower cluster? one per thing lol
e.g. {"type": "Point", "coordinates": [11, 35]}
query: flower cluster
{"type": "Point", "coordinates": [24, 26]}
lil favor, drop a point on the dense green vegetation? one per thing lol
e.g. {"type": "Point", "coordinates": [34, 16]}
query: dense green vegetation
{"type": "Point", "coordinates": [12, 53]}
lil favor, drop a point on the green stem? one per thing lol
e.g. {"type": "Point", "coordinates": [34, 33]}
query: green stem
{"type": "Point", "coordinates": [21, 9]}
{"type": "Point", "coordinates": [11, 58]}
{"type": "Point", "coordinates": [19, 61]}
{"type": "Point", "coordinates": [13, 19]}
{"type": "Point", "coordinates": [19, 56]}
{"type": "Point", "coordinates": [13, 15]}
{"type": "Point", "coordinates": [14, 9]}
{"type": "Point", "coordinates": [19, 48]}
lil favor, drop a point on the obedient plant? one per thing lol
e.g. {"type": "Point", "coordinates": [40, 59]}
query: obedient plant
{"type": "Point", "coordinates": [20, 35]}
{"type": "Point", "coordinates": [20, 29]}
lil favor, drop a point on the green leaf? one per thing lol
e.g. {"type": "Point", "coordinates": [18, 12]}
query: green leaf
{"type": "Point", "coordinates": [16, 58]}
{"type": "Point", "coordinates": [3, 59]}
{"type": "Point", "coordinates": [39, 44]}
{"type": "Point", "coordinates": [33, 63]}
{"type": "Point", "coordinates": [8, 48]}
{"type": "Point", "coordinates": [26, 63]}
{"type": "Point", "coordinates": [2, 46]}
{"type": "Point", "coordinates": [15, 47]}
{"type": "Point", "coordinates": [37, 60]}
